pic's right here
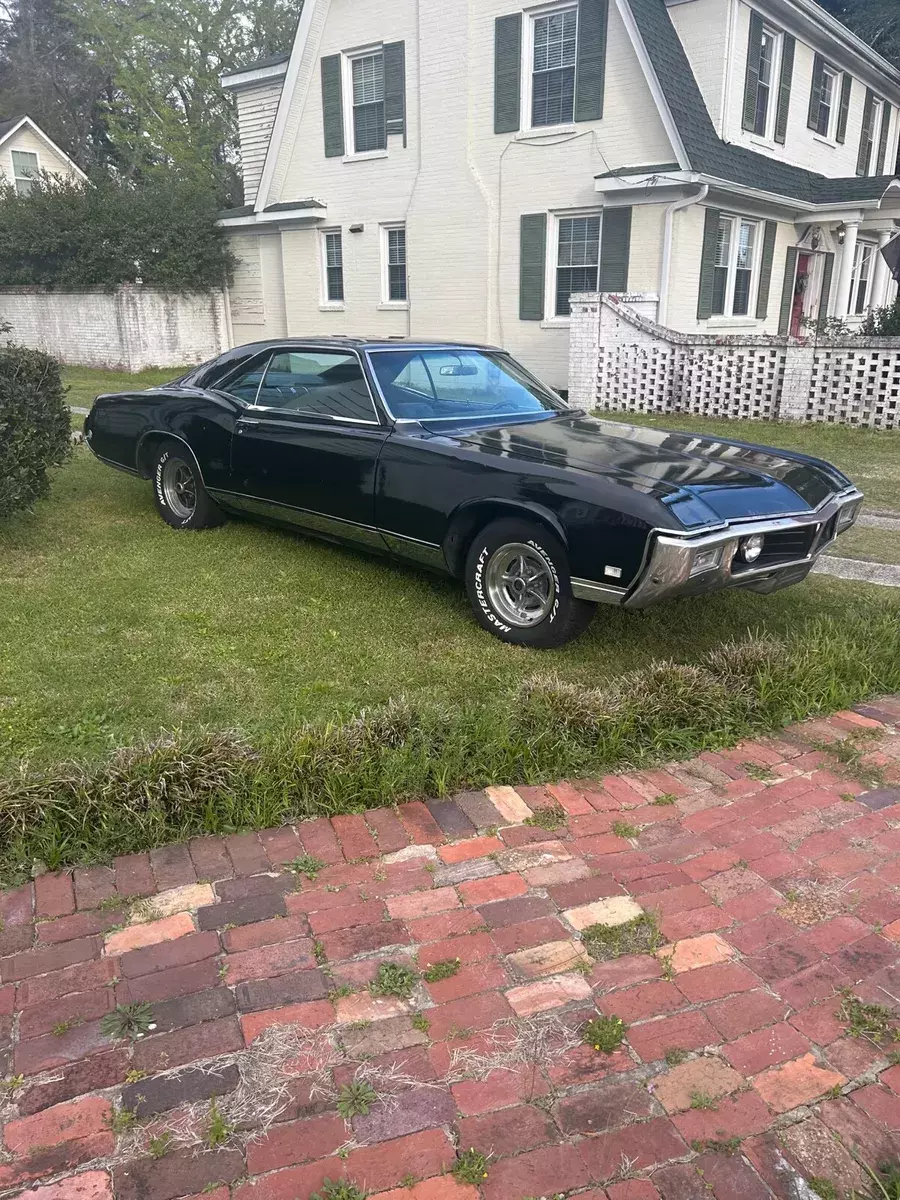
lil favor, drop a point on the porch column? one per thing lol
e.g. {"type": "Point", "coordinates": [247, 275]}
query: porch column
{"type": "Point", "coordinates": [845, 277]}
{"type": "Point", "coordinates": [882, 274]}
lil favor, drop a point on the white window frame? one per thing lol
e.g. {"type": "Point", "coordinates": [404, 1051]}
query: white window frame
{"type": "Point", "coordinates": [777, 35]}
{"type": "Point", "coordinates": [551, 260]}
{"type": "Point", "coordinates": [12, 168]}
{"type": "Point", "coordinates": [837, 80]}
{"type": "Point", "coordinates": [347, 59]}
{"type": "Point", "coordinates": [386, 301]}
{"type": "Point", "coordinates": [325, 304]}
{"type": "Point", "coordinates": [527, 65]}
{"type": "Point", "coordinates": [861, 245]}
{"type": "Point", "coordinates": [877, 122]}
{"type": "Point", "coordinates": [729, 315]}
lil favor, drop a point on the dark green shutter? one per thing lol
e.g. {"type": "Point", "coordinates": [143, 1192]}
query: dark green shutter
{"type": "Point", "coordinates": [751, 79]}
{"type": "Point", "coordinates": [862, 163]}
{"type": "Point", "coordinates": [532, 251]}
{"type": "Point", "coordinates": [881, 167]}
{"type": "Point", "coordinates": [507, 72]}
{"type": "Point", "coordinates": [844, 111]}
{"type": "Point", "coordinates": [615, 250]}
{"type": "Point", "coordinates": [815, 92]}
{"type": "Point", "coordinates": [824, 295]}
{"type": "Point", "coordinates": [708, 264]}
{"type": "Point", "coordinates": [590, 68]}
{"type": "Point", "coordinates": [765, 270]}
{"type": "Point", "coordinates": [332, 107]}
{"type": "Point", "coordinates": [787, 291]}
{"type": "Point", "coordinates": [784, 87]}
{"type": "Point", "coordinates": [395, 88]}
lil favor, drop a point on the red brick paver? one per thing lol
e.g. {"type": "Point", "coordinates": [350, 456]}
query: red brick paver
{"type": "Point", "coordinates": [775, 879]}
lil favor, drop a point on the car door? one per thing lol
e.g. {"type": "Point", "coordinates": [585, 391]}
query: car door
{"type": "Point", "coordinates": [306, 450]}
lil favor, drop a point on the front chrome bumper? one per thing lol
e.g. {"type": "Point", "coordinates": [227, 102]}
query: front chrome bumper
{"type": "Point", "coordinates": [668, 572]}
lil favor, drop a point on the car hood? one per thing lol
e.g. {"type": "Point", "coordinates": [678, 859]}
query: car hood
{"type": "Point", "coordinates": [700, 479]}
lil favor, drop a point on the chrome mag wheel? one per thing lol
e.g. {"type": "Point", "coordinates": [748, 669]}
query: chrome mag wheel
{"type": "Point", "coordinates": [520, 585]}
{"type": "Point", "coordinates": [179, 488]}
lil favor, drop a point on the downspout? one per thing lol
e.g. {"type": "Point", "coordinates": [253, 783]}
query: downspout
{"type": "Point", "coordinates": [662, 311]}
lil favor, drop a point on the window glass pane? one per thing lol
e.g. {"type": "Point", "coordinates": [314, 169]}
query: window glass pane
{"type": "Point", "coordinates": [433, 384]}
{"type": "Point", "coordinates": [25, 165]}
{"type": "Point", "coordinates": [396, 264]}
{"type": "Point", "coordinates": [746, 243]}
{"type": "Point", "coordinates": [368, 103]}
{"type": "Point", "coordinates": [317, 382]}
{"type": "Point", "coordinates": [764, 88]}
{"type": "Point", "coordinates": [578, 256]}
{"type": "Point", "coordinates": [334, 266]}
{"type": "Point", "coordinates": [826, 100]}
{"type": "Point", "coordinates": [553, 80]}
{"type": "Point", "coordinates": [246, 384]}
{"type": "Point", "coordinates": [720, 286]}
{"type": "Point", "coordinates": [723, 242]}
{"type": "Point", "coordinates": [742, 282]}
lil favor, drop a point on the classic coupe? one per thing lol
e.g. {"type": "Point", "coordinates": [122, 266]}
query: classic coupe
{"type": "Point", "coordinates": [457, 457]}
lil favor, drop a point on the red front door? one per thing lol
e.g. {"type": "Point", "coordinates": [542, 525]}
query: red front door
{"type": "Point", "coordinates": [801, 282]}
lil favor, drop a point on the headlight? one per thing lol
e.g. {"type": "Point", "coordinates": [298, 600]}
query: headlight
{"type": "Point", "coordinates": [750, 548]}
{"type": "Point", "coordinates": [848, 515]}
{"type": "Point", "coordinates": [705, 560]}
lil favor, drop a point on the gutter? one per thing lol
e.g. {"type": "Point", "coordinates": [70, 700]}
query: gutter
{"type": "Point", "coordinates": [662, 311]}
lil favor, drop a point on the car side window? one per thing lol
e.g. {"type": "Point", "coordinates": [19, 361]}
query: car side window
{"type": "Point", "coordinates": [317, 382]}
{"type": "Point", "coordinates": [245, 384]}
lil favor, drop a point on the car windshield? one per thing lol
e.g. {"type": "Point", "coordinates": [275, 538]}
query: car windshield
{"type": "Point", "coordinates": [440, 384]}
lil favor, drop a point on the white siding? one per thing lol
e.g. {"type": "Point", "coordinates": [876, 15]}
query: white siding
{"type": "Point", "coordinates": [703, 27]}
{"type": "Point", "coordinates": [256, 108]}
{"type": "Point", "coordinates": [48, 159]}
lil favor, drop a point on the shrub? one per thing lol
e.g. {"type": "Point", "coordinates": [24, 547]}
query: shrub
{"type": "Point", "coordinates": [105, 232]}
{"type": "Point", "coordinates": [35, 434]}
{"type": "Point", "coordinates": [882, 322]}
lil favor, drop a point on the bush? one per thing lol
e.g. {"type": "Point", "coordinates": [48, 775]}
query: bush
{"type": "Point", "coordinates": [882, 322]}
{"type": "Point", "coordinates": [35, 434]}
{"type": "Point", "coordinates": [105, 232]}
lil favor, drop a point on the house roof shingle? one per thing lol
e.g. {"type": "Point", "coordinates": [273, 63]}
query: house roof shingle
{"type": "Point", "coordinates": [706, 151]}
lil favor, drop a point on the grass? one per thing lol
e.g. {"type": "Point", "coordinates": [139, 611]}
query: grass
{"type": "Point", "coordinates": [393, 979]}
{"type": "Point", "coordinates": [873, 1022]}
{"type": "Point", "coordinates": [604, 1033]}
{"type": "Point", "coordinates": [338, 1189]}
{"type": "Point", "coordinates": [441, 970]}
{"type": "Point", "coordinates": [85, 383]}
{"type": "Point", "coordinates": [128, 1021]}
{"type": "Point", "coordinates": [114, 627]}
{"type": "Point", "coordinates": [355, 1099]}
{"type": "Point", "coordinates": [471, 1166]}
{"type": "Point", "coordinates": [639, 936]}
{"type": "Point", "coordinates": [871, 458]}
{"type": "Point", "coordinates": [871, 545]}
{"type": "Point", "coordinates": [548, 816]}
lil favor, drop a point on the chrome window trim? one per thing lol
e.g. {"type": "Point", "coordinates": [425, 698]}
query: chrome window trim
{"type": "Point", "coordinates": [234, 375]}
{"type": "Point", "coordinates": [284, 420]}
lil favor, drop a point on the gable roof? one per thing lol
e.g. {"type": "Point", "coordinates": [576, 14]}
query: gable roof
{"type": "Point", "coordinates": [705, 151]}
{"type": "Point", "coordinates": [12, 125]}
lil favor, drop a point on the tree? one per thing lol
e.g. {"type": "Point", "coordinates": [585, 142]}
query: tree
{"type": "Point", "coordinates": [875, 21]}
{"type": "Point", "coordinates": [164, 58]}
{"type": "Point", "coordinates": [47, 72]}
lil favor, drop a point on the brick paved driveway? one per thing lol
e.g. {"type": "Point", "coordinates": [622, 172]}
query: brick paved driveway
{"type": "Point", "coordinates": [775, 879]}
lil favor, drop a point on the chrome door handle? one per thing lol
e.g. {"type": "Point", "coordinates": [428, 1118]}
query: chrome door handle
{"type": "Point", "coordinates": [248, 421]}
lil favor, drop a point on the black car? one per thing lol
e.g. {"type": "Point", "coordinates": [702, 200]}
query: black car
{"type": "Point", "coordinates": [455, 456]}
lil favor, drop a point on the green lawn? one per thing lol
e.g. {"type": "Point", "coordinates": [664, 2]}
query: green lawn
{"type": "Point", "coordinates": [85, 383]}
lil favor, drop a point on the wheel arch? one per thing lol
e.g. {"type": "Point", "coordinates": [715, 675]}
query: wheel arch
{"type": "Point", "coordinates": [148, 447]}
{"type": "Point", "coordinates": [473, 515]}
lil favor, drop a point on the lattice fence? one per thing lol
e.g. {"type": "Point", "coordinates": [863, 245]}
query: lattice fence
{"type": "Point", "coordinates": [621, 360]}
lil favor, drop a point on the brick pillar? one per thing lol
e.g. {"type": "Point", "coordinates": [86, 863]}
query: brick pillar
{"type": "Point", "coordinates": [584, 350]}
{"type": "Point", "coordinates": [797, 386]}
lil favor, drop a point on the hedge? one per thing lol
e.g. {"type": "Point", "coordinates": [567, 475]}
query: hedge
{"type": "Point", "coordinates": [35, 434]}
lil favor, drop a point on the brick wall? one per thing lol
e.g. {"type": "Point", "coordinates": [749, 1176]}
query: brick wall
{"type": "Point", "coordinates": [130, 328]}
{"type": "Point", "coordinates": [621, 359]}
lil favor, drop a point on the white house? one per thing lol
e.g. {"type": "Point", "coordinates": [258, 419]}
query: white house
{"type": "Point", "coordinates": [25, 151]}
{"type": "Point", "coordinates": [458, 169]}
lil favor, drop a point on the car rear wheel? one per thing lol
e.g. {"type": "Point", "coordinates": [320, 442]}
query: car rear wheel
{"type": "Point", "coordinates": [181, 499]}
{"type": "Point", "coordinates": [517, 577]}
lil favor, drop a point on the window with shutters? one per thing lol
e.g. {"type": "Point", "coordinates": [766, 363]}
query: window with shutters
{"type": "Point", "coordinates": [870, 134]}
{"type": "Point", "coordinates": [827, 102]}
{"type": "Point", "coordinates": [365, 95]}
{"type": "Point", "coordinates": [577, 259]}
{"type": "Point", "coordinates": [863, 270]}
{"type": "Point", "coordinates": [735, 278]}
{"type": "Point", "coordinates": [25, 166]}
{"type": "Point", "coordinates": [393, 264]}
{"type": "Point", "coordinates": [766, 88]}
{"type": "Point", "coordinates": [551, 47]}
{"type": "Point", "coordinates": [332, 268]}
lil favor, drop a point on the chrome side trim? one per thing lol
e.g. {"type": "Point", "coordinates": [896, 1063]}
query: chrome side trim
{"type": "Point", "coordinates": [599, 593]}
{"type": "Point", "coordinates": [110, 462]}
{"type": "Point", "coordinates": [413, 550]}
{"type": "Point", "coordinates": [308, 518]}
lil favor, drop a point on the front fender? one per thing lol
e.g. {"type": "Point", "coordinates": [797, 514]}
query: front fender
{"type": "Point", "coordinates": [472, 515]}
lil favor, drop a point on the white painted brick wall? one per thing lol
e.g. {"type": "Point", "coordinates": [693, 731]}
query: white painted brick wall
{"type": "Point", "coordinates": [128, 329]}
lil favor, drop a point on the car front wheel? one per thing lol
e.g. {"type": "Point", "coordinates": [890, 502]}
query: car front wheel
{"type": "Point", "coordinates": [181, 499]}
{"type": "Point", "coordinates": [517, 577]}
